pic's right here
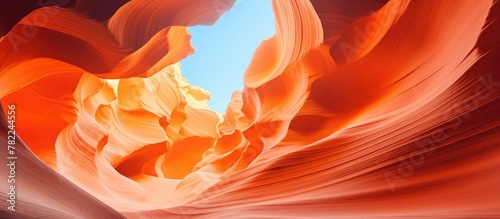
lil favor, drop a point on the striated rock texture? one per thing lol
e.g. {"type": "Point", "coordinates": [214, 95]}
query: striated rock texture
{"type": "Point", "coordinates": [352, 109]}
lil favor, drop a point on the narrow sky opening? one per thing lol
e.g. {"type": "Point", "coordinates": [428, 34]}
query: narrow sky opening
{"type": "Point", "coordinates": [224, 50]}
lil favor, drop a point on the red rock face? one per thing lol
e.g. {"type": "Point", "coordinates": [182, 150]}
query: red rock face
{"type": "Point", "coordinates": [352, 109]}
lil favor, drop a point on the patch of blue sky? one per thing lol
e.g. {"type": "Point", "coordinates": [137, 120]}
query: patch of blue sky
{"type": "Point", "coordinates": [224, 50]}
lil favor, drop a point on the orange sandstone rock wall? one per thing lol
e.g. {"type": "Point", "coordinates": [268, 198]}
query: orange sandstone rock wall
{"type": "Point", "coordinates": [364, 109]}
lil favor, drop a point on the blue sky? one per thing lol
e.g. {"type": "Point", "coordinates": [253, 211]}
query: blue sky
{"type": "Point", "coordinates": [224, 50]}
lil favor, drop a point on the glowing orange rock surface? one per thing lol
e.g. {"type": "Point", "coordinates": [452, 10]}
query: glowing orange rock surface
{"type": "Point", "coordinates": [352, 109]}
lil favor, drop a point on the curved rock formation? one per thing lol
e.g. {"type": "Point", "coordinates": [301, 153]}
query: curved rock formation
{"type": "Point", "coordinates": [352, 109]}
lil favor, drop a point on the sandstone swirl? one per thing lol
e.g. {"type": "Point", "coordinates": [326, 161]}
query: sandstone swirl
{"type": "Point", "coordinates": [377, 108]}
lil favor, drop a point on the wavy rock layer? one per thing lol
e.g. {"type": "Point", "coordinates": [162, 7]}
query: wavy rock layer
{"type": "Point", "coordinates": [351, 109]}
